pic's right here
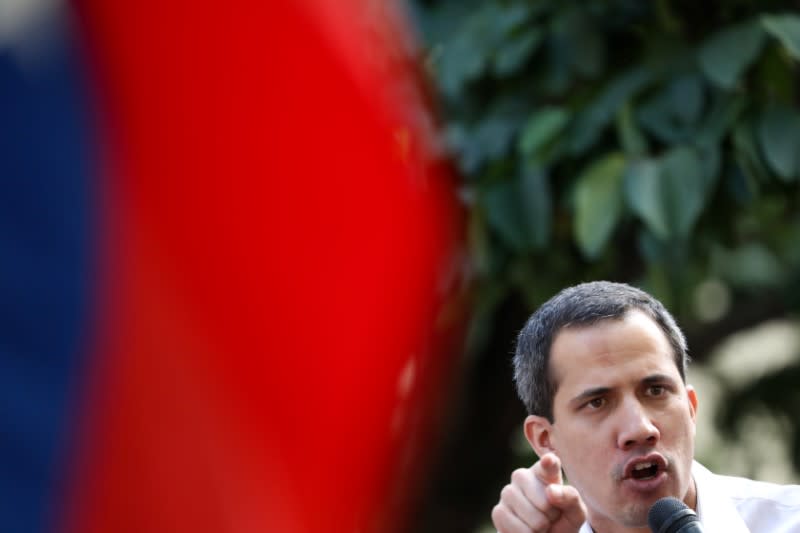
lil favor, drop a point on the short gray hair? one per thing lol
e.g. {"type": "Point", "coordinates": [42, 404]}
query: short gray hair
{"type": "Point", "coordinates": [582, 305]}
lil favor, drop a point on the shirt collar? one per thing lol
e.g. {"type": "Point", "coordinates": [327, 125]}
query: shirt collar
{"type": "Point", "coordinates": [714, 505]}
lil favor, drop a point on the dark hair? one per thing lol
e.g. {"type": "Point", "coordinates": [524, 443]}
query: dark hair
{"type": "Point", "coordinates": [582, 305]}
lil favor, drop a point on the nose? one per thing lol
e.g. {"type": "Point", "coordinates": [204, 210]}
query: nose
{"type": "Point", "coordinates": [636, 427]}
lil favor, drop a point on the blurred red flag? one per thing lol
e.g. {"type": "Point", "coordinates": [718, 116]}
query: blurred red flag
{"type": "Point", "coordinates": [282, 253]}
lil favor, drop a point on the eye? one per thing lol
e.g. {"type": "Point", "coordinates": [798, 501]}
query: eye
{"type": "Point", "coordinates": [656, 390]}
{"type": "Point", "coordinates": [595, 403]}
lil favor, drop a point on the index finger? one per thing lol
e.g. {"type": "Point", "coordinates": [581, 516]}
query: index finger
{"type": "Point", "coordinates": [548, 469]}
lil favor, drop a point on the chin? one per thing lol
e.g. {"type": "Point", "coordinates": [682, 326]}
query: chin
{"type": "Point", "coordinates": [635, 515]}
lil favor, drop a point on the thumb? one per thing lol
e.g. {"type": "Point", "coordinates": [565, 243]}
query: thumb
{"type": "Point", "coordinates": [567, 499]}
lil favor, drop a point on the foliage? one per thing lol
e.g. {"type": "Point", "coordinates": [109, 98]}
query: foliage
{"type": "Point", "coordinates": [656, 143]}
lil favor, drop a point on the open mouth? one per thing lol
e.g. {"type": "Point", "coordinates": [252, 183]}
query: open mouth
{"type": "Point", "coordinates": [646, 470]}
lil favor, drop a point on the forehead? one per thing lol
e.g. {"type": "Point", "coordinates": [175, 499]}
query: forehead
{"type": "Point", "coordinates": [633, 345]}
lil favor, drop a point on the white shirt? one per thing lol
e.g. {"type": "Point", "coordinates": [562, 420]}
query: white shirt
{"type": "Point", "coordinates": [737, 505]}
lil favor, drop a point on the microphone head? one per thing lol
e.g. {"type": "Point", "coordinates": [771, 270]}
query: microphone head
{"type": "Point", "coordinates": [668, 515]}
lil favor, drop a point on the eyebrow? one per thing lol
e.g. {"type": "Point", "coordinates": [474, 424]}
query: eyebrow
{"type": "Point", "coordinates": [589, 393]}
{"type": "Point", "coordinates": [658, 378]}
{"type": "Point", "coordinates": [600, 391]}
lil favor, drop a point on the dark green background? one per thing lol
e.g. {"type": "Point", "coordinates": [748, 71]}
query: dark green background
{"type": "Point", "coordinates": [656, 143]}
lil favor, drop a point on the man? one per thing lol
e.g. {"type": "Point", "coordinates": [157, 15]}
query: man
{"type": "Point", "coordinates": [601, 369]}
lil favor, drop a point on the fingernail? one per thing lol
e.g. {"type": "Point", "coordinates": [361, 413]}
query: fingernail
{"type": "Point", "coordinates": [557, 491]}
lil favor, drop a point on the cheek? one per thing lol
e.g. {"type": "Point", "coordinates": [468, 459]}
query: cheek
{"type": "Point", "coordinates": [679, 433]}
{"type": "Point", "coordinates": [581, 453]}
{"type": "Point", "coordinates": [684, 418]}
{"type": "Point", "coordinates": [589, 474]}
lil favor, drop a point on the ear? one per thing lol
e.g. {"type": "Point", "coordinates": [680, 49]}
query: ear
{"type": "Point", "coordinates": [539, 432]}
{"type": "Point", "coordinates": [692, 401]}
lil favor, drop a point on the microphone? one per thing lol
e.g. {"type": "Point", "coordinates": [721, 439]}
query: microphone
{"type": "Point", "coordinates": [670, 515]}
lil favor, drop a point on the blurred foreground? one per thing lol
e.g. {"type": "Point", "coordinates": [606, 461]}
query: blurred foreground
{"type": "Point", "coordinates": [233, 268]}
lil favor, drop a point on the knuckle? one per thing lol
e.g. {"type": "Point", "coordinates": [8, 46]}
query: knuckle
{"type": "Point", "coordinates": [506, 493]}
{"type": "Point", "coordinates": [498, 513]}
{"type": "Point", "coordinates": [539, 522]}
{"type": "Point", "coordinates": [570, 495]}
{"type": "Point", "coordinates": [518, 475]}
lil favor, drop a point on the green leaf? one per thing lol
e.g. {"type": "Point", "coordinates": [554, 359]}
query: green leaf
{"type": "Point", "coordinates": [502, 208]}
{"type": "Point", "coordinates": [751, 265]}
{"type": "Point", "coordinates": [586, 45]}
{"type": "Point", "coordinates": [747, 154]}
{"type": "Point", "coordinates": [558, 74]}
{"type": "Point", "coordinates": [786, 28]}
{"type": "Point", "coordinates": [511, 56]}
{"type": "Point", "coordinates": [598, 203]}
{"type": "Point", "coordinates": [508, 17]}
{"type": "Point", "coordinates": [594, 118]}
{"type": "Point", "coordinates": [742, 187]}
{"type": "Point", "coordinates": [643, 195]}
{"type": "Point", "coordinates": [710, 161]}
{"type": "Point", "coordinates": [671, 113]}
{"type": "Point", "coordinates": [726, 54]}
{"type": "Point", "coordinates": [685, 188]}
{"type": "Point", "coordinates": [463, 59]}
{"type": "Point", "coordinates": [495, 133]}
{"type": "Point", "coordinates": [467, 52]}
{"type": "Point", "coordinates": [520, 210]}
{"type": "Point", "coordinates": [652, 248]}
{"type": "Point", "coordinates": [775, 75]}
{"type": "Point", "coordinates": [725, 109]}
{"type": "Point", "coordinates": [686, 98]}
{"type": "Point", "coordinates": [669, 194]}
{"type": "Point", "coordinates": [655, 116]}
{"type": "Point", "coordinates": [541, 128]}
{"type": "Point", "coordinates": [489, 139]}
{"type": "Point", "coordinates": [630, 136]}
{"type": "Point", "coordinates": [537, 206]}
{"type": "Point", "coordinates": [779, 134]}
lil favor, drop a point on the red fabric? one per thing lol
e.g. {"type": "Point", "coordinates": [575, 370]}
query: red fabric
{"type": "Point", "coordinates": [277, 325]}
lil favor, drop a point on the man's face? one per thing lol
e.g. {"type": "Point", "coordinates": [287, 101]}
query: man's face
{"type": "Point", "coordinates": [624, 422]}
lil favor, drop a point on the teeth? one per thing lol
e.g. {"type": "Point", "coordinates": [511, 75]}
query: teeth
{"type": "Point", "coordinates": [642, 466]}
